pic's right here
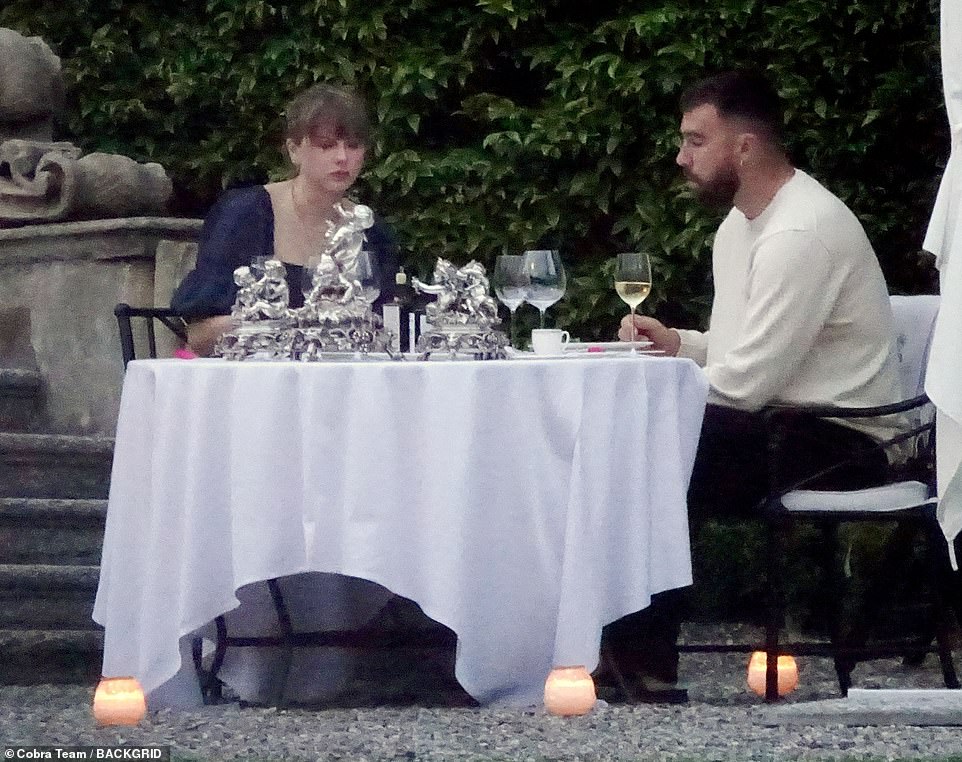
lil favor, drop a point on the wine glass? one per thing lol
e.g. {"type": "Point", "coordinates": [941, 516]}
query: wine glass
{"type": "Point", "coordinates": [307, 273]}
{"type": "Point", "coordinates": [366, 275]}
{"type": "Point", "coordinates": [510, 281]}
{"type": "Point", "coordinates": [547, 276]}
{"type": "Point", "coordinates": [258, 265]}
{"type": "Point", "coordinates": [633, 282]}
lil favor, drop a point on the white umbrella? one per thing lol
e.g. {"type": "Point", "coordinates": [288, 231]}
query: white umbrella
{"type": "Point", "coordinates": [943, 381]}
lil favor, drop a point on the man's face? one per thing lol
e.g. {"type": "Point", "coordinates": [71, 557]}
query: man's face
{"type": "Point", "coordinates": [708, 155]}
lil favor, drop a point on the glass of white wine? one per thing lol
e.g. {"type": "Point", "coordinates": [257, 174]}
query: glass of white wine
{"type": "Point", "coordinates": [633, 282]}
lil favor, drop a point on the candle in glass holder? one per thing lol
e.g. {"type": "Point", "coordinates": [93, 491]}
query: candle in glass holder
{"type": "Point", "coordinates": [786, 669]}
{"type": "Point", "coordinates": [119, 701]}
{"type": "Point", "coordinates": [569, 691]}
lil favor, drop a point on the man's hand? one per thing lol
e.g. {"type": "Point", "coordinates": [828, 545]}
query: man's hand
{"type": "Point", "coordinates": [661, 337]}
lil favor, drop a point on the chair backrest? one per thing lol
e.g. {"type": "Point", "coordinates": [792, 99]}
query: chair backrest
{"type": "Point", "coordinates": [914, 326]}
{"type": "Point", "coordinates": [167, 317]}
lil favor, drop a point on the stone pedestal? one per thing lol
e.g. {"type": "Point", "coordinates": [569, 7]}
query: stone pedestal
{"type": "Point", "coordinates": [68, 277]}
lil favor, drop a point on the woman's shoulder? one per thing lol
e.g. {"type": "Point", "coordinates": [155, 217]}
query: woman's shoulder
{"type": "Point", "coordinates": [246, 200]}
{"type": "Point", "coordinates": [237, 227]}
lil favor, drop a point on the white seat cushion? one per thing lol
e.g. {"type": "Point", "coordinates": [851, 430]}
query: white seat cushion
{"type": "Point", "coordinates": [891, 497]}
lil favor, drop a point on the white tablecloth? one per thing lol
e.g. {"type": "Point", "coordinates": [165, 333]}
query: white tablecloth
{"type": "Point", "coordinates": [943, 381]}
{"type": "Point", "coordinates": [524, 504]}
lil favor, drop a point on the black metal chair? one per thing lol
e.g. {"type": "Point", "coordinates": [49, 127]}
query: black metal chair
{"type": "Point", "coordinates": [907, 501]}
{"type": "Point", "coordinates": [373, 636]}
{"type": "Point", "coordinates": [166, 316]}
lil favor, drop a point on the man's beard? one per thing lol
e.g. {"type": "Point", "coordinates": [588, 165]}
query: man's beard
{"type": "Point", "coordinates": [717, 191]}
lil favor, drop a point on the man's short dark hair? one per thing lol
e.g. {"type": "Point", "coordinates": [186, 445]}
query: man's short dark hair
{"type": "Point", "coordinates": [741, 94]}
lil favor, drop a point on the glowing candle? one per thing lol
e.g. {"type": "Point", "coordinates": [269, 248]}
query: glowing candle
{"type": "Point", "coordinates": [786, 669]}
{"type": "Point", "coordinates": [569, 691]}
{"type": "Point", "coordinates": [119, 701]}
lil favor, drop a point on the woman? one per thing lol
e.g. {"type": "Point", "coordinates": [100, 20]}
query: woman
{"type": "Point", "coordinates": [326, 139]}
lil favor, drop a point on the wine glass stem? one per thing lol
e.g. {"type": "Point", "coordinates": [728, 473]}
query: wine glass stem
{"type": "Point", "coordinates": [633, 330]}
{"type": "Point", "coordinates": [511, 327]}
{"type": "Point", "coordinates": [542, 317]}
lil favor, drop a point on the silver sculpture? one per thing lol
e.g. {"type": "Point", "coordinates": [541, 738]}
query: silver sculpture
{"type": "Point", "coordinates": [335, 318]}
{"type": "Point", "coordinates": [463, 315]}
{"type": "Point", "coordinates": [260, 313]}
{"type": "Point", "coordinates": [345, 238]}
{"type": "Point", "coordinates": [335, 295]}
{"type": "Point", "coordinates": [264, 298]}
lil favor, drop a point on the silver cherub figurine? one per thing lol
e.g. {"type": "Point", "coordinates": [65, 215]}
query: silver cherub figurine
{"type": "Point", "coordinates": [330, 281]}
{"type": "Point", "coordinates": [264, 298]}
{"type": "Point", "coordinates": [345, 235]}
{"type": "Point", "coordinates": [462, 296]}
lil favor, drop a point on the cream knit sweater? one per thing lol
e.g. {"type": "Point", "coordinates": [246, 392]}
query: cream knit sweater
{"type": "Point", "coordinates": [801, 312]}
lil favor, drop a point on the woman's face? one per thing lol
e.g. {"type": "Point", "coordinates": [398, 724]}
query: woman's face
{"type": "Point", "coordinates": [329, 163]}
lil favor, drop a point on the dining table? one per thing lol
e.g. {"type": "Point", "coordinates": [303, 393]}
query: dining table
{"type": "Point", "coordinates": [523, 503]}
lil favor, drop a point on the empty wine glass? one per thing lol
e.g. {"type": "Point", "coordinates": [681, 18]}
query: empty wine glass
{"type": "Point", "coordinates": [366, 275]}
{"type": "Point", "coordinates": [308, 273]}
{"type": "Point", "coordinates": [547, 276]}
{"type": "Point", "coordinates": [258, 265]}
{"type": "Point", "coordinates": [510, 281]}
{"type": "Point", "coordinates": [633, 282]}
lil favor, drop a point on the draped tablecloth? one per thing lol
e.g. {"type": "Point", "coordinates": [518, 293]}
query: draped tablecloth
{"type": "Point", "coordinates": [943, 381]}
{"type": "Point", "coordinates": [522, 503]}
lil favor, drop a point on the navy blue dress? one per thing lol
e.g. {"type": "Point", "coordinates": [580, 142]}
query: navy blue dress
{"type": "Point", "coordinates": [240, 227]}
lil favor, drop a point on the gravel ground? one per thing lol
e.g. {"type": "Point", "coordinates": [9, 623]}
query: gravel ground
{"type": "Point", "coordinates": [722, 721]}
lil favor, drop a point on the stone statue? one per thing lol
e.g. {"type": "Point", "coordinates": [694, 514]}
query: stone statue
{"type": "Point", "coordinates": [46, 181]}
{"type": "Point", "coordinates": [31, 88]}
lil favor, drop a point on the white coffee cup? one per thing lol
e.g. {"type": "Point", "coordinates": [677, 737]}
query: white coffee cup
{"type": "Point", "coordinates": [549, 341]}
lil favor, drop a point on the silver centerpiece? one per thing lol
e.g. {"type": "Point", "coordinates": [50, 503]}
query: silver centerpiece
{"type": "Point", "coordinates": [463, 316]}
{"type": "Point", "coordinates": [263, 298]}
{"type": "Point", "coordinates": [336, 316]}
{"type": "Point", "coordinates": [260, 313]}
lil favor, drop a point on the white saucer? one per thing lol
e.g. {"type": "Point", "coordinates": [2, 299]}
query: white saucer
{"type": "Point", "coordinates": [615, 346]}
{"type": "Point", "coordinates": [567, 356]}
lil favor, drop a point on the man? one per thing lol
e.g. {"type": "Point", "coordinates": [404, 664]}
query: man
{"type": "Point", "coordinates": [800, 315]}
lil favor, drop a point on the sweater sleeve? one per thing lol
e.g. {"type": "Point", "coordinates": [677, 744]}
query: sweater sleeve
{"type": "Point", "coordinates": [694, 345]}
{"type": "Point", "coordinates": [793, 284]}
{"type": "Point", "coordinates": [238, 228]}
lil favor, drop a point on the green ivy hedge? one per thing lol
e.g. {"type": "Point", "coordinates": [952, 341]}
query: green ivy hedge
{"type": "Point", "coordinates": [505, 124]}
